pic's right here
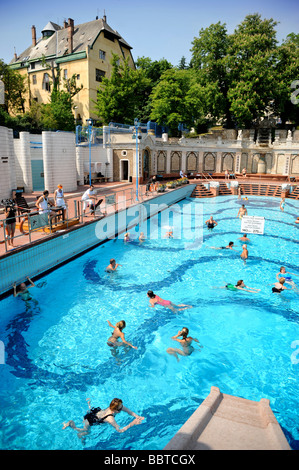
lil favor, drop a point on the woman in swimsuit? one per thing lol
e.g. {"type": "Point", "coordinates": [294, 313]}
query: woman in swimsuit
{"type": "Point", "coordinates": [185, 342]}
{"type": "Point", "coordinates": [23, 290]}
{"type": "Point", "coordinates": [282, 204]}
{"type": "Point", "coordinates": [156, 300]}
{"type": "Point", "coordinates": [98, 416]}
{"type": "Point", "coordinates": [240, 286]}
{"type": "Point", "coordinates": [113, 341]}
{"type": "Point", "coordinates": [227, 247]}
{"type": "Point", "coordinates": [279, 286]}
{"type": "Point", "coordinates": [288, 277]}
{"type": "Point", "coordinates": [211, 223]}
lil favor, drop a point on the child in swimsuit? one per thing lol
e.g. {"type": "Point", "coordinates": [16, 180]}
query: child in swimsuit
{"type": "Point", "coordinates": [155, 299]}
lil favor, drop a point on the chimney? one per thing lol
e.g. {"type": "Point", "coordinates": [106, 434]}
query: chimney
{"type": "Point", "coordinates": [70, 35]}
{"type": "Point", "coordinates": [65, 24]}
{"type": "Point", "coordinates": [105, 17]}
{"type": "Point", "coordinates": [33, 31]}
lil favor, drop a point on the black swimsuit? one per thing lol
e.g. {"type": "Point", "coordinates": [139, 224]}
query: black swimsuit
{"type": "Point", "coordinates": [274, 289]}
{"type": "Point", "coordinates": [92, 418]}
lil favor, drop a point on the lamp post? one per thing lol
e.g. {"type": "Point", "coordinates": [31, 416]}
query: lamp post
{"type": "Point", "coordinates": [138, 137]}
{"type": "Point", "coordinates": [89, 135]}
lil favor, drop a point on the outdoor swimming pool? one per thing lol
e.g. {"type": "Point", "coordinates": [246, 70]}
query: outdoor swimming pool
{"type": "Point", "coordinates": [56, 352]}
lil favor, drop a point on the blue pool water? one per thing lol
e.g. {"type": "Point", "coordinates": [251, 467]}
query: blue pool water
{"type": "Point", "coordinates": [56, 353]}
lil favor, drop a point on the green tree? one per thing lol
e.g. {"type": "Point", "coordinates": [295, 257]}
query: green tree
{"type": "Point", "coordinates": [251, 62]}
{"type": "Point", "coordinates": [177, 99]}
{"type": "Point", "coordinates": [15, 88]}
{"type": "Point", "coordinates": [287, 72]}
{"type": "Point", "coordinates": [209, 53]}
{"type": "Point", "coordinates": [120, 97]}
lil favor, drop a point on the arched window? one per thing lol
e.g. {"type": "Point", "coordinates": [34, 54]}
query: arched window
{"type": "Point", "coordinates": [46, 82]}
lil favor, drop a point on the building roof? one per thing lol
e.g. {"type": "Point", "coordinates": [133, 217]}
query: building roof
{"type": "Point", "coordinates": [56, 45]}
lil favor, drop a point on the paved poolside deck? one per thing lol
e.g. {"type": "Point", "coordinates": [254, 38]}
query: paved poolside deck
{"type": "Point", "coordinates": [119, 189]}
{"type": "Point", "coordinates": [226, 422]}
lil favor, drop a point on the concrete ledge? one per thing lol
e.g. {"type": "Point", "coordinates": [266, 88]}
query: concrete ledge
{"type": "Point", "coordinates": [226, 422]}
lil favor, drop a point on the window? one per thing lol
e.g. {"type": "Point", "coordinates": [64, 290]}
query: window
{"type": "Point", "coordinates": [99, 75]}
{"type": "Point", "coordinates": [78, 76]}
{"type": "Point", "coordinates": [46, 82]}
{"type": "Point", "coordinates": [102, 54]}
{"type": "Point", "coordinates": [34, 79]}
{"type": "Point", "coordinates": [32, 65]}
{"type": "Point", "coordinates": [65, 74]}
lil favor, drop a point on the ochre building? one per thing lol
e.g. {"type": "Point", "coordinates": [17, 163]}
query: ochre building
{"type": "Point", "coordinates": [83, 50]}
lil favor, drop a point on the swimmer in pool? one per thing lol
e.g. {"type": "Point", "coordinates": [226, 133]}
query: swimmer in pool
{"type": "Point", "coordinates": [279, 286]}
{"type": "Point", "coordinates": [242, 212]}
{"type": "Point", "coordinates": [240, 286]}
{"type": "Point", "coordinates": [127, 237]}
{"type": "Point", "coordinates": [244, 238]}
{"type": "Point", "coordinates": [211, 223]}
{"type": "Point", "coordinates": [98, 416]}
{"type": "Point", "coordinates": [113, 341]}
{"type": "Point", "coordinates": [227, 247]}
{"type": "Point", "coordinates": [297, 220]}
{"type": "Point", "coordinates": [282, 204]}
{"type": "Point", "coordinates": [142, 237]}
{"type": "Point", "coordinates": [288, 277]}
{"type": "Point", "coordinates": [169, 234]}
{"type": "Point", "coordinates": [23, 290]}
{"type": "Point", "coordinates": [186, 343]}
{"type": "Point", "coordinates": [244, 254]}
{"type": "Point", "coordinates": [156, 300]}
{"type": "Point", "coordinates": [112, 266]}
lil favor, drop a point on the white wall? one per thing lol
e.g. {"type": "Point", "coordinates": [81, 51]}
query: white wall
{"type": "Point", "coordinates": [98, 154]}
{"type": "Point", "coordinates": [7, 163]}
{"type": "Point", "coordinates": [59, 154]}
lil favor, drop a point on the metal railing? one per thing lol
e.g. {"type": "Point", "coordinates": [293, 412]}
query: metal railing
{"type": "Point", "coordinates": [32, 221]}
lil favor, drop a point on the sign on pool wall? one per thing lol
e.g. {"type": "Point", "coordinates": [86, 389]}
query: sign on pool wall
{"type": "Point", "coordinates": [253, 224]}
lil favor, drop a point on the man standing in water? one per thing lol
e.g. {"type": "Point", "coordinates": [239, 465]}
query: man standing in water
{"type": "Point", "coordinates": [242, 212]}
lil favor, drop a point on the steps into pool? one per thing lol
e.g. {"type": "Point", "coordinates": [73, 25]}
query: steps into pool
{"type": "Point", "coordinates": [254, 189]}
{"type": "Point", "coordinates": [201, 191]}
{"type": "Point", "coordinates": [226, 422]}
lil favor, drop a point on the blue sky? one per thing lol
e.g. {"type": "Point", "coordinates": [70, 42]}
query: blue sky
{"type": "Point", "coordinates": [155, 29]}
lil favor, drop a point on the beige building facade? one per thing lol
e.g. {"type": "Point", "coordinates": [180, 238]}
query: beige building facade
{"type": "Point", "coordinates": [83, 50]}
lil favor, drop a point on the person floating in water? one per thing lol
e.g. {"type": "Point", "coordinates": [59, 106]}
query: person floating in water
{"type": "Point", "coordinates": [279, 286]}
{"type": "Point", "coordinates": [244, 238]}
{"type": "Point", "coordinates": [97, 416]}
{"type": "Point", "coordinates": [227, 247]}
{"type": "Point", "coordinates": [211, 223]}
{"type": "Point", "coordinates": [244, 254]}
{"type": "Point", "coordinates": [23, 290]}
{"type": "Point", "coordinates": [186, 343]}
{"type": "Point", "coordinates": [287, 276]}
{"type": "Point", "coordinates": [156, 300]}
{"type": "Point", "coordinates": [242, 212]}
{"type": "Point", "coordinates": [240, 286]}
{"type": "Point", "coordinates": [112, 266]}
{"type": "Point", "coordinates": [113, 341]}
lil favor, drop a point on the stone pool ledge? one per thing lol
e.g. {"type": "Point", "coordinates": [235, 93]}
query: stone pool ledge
{"type": "Point", "coordinates": [226, 422]}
